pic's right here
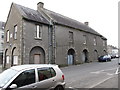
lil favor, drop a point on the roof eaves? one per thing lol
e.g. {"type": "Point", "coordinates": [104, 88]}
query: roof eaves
{"type": "Point", "coordinates": [77, 28]}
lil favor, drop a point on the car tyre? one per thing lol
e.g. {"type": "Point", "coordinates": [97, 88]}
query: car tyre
{"type": "Point", "coordinates": [59, 88]}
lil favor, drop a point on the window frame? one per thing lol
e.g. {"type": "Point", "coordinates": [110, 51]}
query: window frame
{"type": "Point", "coordinates": [46, 68]}
{"type": "Point", "coordinates": [38, 34]}
{"type": "Point", "coordinates": [85, 39]}
{"type": "Point", "coordinates": [7, 59]}
{"type": "Point", "coordinates": [71, 36]}
{"type": "Point", "coordinates": [104, 43]}
{"type": "Point", "coordinates": [15, 32]}
{"type": "Point", "coordinates": [7, 36]}
{"type": "Point", "coordinates": [12, 82]}
{"type": "Point", "coordinates": [95, 41]}
{"type": "Point", "coordinates": [2, 36]}
{"type": "Point", "coordinates": [15, 60]}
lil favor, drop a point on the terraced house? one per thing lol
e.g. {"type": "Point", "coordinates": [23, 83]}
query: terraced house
{"type": "Point", "coordinates": [43, 36]}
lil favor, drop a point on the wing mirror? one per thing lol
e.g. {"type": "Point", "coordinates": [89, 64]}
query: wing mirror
{"type": "Point", "coordinates": [13, 86]}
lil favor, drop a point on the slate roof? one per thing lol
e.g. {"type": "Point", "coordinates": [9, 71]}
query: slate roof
{"type": "Point", "coordinates": [63, 20]}
{"type": "Point", "coordinates": [31, 14]}
{"type": "Point", "coordinates": [34, 15]}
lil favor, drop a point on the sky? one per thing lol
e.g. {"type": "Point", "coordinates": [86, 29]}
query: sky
{"type": "Point", "coordinates": [102, 15]}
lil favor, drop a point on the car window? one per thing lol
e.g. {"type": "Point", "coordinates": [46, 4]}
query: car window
{"type": "Point", "coordinates": [25, 78]}
{"type": "Point", "coordinates": [53, 72]}
{"type": "Point", "coordinates": [45, 73]}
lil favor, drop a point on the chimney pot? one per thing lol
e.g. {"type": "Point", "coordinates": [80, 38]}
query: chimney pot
{"type": "Point", "coordinates": [86, 23]}
{"type": "Point", "coordinates": [40, 5]}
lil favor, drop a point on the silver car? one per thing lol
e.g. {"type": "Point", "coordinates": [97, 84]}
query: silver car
{"type": "Point", "coordinates": [32, 76]}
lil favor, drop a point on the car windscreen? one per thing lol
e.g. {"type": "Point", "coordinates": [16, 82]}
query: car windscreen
{"type": "Point", "coordinates": [6, 76]}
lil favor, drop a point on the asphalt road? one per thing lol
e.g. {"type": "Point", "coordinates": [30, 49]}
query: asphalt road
{"type": "Point", "coordinates": [92, 75]}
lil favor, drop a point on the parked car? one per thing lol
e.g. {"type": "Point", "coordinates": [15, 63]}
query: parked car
{"type": "Point", "coordinates": [113, 56]}
{"type": "Point", "coordinates": [117, 56]}
{"type": "Point", "coordinates": [33, 76]}
{"type": "Point", "coordinates": [104, 58]}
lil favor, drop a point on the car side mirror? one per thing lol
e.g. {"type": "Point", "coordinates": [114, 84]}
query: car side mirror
{"type": "Point", "coordinates": [13, 86]}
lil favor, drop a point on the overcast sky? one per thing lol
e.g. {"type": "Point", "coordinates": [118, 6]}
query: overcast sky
{"type": "Point", "coordinates": [102, 15]}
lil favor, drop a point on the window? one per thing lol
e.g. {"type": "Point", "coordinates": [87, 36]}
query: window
{"type": "Point", "coordinates": [7, 59]}
{"type": "Point", "coordinates": [2, 43]}
{"type": "Point", "coordinates": [15, 60]}
{"type": "Point", "coordinates": [104, 43]}
{"type": "Point", "coordinates": [95, 43]}
{"type": "Point", "coordinates": [15, 32]}
{"type": "Point", "coordinates": [71, 36]}
{"type": "Point", "coordinates": [85, 39]}
{"type": "Point", "coordinates": [46, 73]}
{"type": "Point", "coordinates": [2, 36]}
{"type": "Point", "coordinates": [8, 36]}
{"type": "Point", "coordinates": [52, 72]}
{"type": "Point", "coordinates": [38, 32]}
{"type": "Point", "coordinates": [25, 78]}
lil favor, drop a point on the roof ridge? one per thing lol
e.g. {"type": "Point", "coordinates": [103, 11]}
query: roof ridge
{"type": "Point", "coordinates": [64, 16]}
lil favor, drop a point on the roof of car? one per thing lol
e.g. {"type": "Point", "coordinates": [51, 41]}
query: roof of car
{"type": "Point", "coordinates": [28, 66]}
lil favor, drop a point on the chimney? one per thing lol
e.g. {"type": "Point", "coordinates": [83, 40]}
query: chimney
{"type": "Point", "coordinates": [86, 23]}
{"type": "Point", "coordinates": [40, 5]}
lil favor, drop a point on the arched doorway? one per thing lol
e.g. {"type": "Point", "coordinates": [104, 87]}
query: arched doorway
{"type": "Point", "coordinates": [95, 55]}
{"type": "Point", "coordinates": [85, 56]}
{"type": "Point", "coordinates": [14, 60]}
{"type": "Point", "coordinates": [71, 57]}
{"type": "Point", "coordinates": [37, 55]}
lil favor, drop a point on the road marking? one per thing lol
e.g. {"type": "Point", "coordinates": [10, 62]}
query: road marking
{"type": "Point", "coordinates": [117, 71]}
{"type": "Point", "coordinates": [104, 71]}
{"type": "Point", "coordinates": [100, 82]}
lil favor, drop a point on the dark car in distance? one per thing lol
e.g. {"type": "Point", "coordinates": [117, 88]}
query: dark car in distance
{"type": "Point", "coordinates": [104, 58]}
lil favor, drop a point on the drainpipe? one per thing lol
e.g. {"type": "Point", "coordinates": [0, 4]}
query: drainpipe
{"type": "Point", "coordinates": [51, 36]}
{"type": "Point", "coordinates": [22, 44]}
{"type": "Point", "coordinates": [51, 33]}
{"type": "Point", "coordinates": [49, 44]}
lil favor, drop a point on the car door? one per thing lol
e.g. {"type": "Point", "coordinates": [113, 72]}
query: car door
{"type": "Point", "coordinates": [46, 78]}
{"type": "Point", "coordinates": [24, 80]}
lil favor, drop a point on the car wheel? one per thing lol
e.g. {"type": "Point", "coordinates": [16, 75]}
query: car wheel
{"type": "Point", "coordinates": [59, 88]}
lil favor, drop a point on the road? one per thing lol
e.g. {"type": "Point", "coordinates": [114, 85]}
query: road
{"type": "Point", "coordinates": [92, 75]}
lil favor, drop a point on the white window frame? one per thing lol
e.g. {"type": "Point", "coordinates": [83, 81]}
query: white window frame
{"type": "Point", "coordinates": [15, 60]}
{"type": "Point", "coordinates": [15, 31]}
{"type": "Point", "coordinates": [7, 59]}
{"type": "Point", "coordinates": [8, 36]}
{"type": "Point", "coordinates": [85, 39]}
{"type": "Point", "coordinates": [39, 31]}
{"type": "Point", "coordinates": [104, 42]}
{"type": "Point", "coordinates": [95, 43]}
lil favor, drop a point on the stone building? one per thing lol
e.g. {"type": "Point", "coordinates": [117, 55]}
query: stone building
{"type": "Point", "coordinates": [43, 36]}
{"type": "Point", "coordinates": [2, 24]}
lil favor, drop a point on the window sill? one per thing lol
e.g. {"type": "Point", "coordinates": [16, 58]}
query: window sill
{"type": "Point", "coordinates": [38, 38]}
